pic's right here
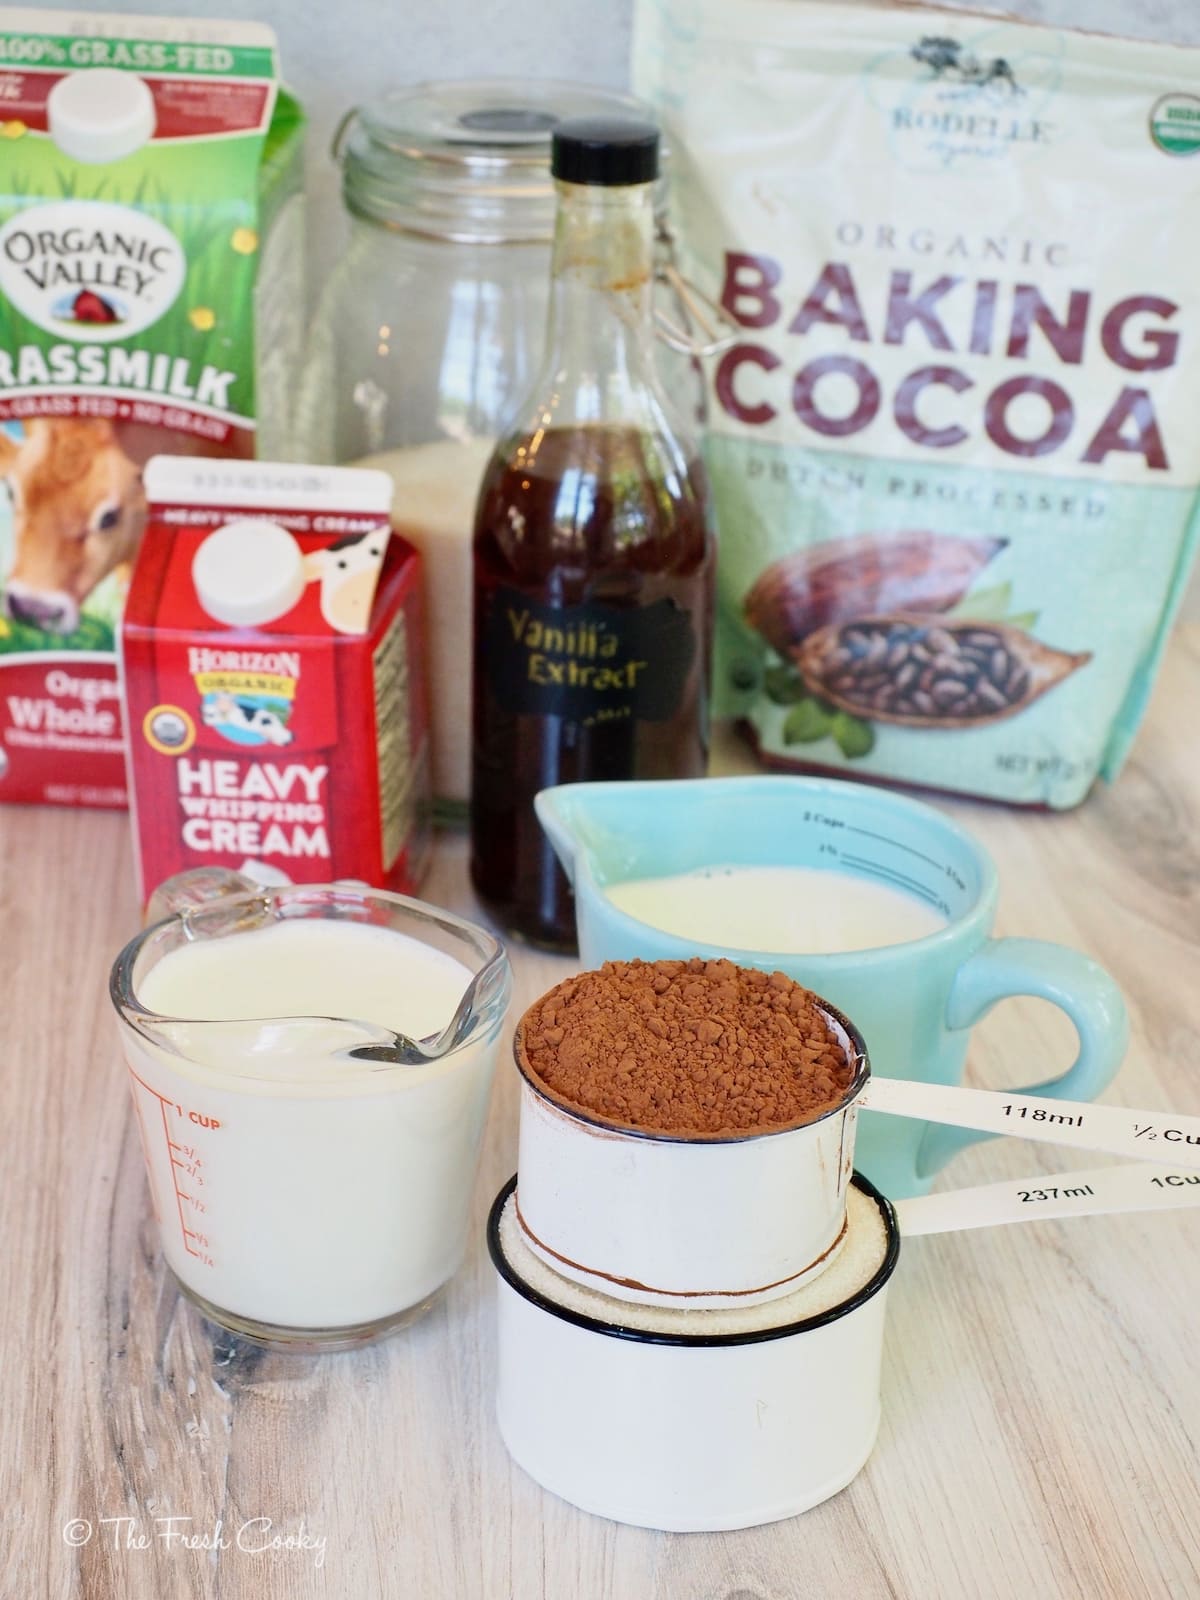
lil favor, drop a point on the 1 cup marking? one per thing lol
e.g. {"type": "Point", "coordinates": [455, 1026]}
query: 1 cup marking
{"type": "Point", "coordinates": [1132, 1186]}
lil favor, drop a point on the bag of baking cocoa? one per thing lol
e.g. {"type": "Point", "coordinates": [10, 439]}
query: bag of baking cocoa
{"type": "Point", "coordinates": [953, 443]}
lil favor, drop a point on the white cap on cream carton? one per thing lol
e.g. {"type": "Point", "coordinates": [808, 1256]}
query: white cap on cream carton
{"type": "Point", "coordinates": [248, 572]}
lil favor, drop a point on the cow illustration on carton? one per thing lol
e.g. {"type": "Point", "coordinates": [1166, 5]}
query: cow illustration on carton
{"type": "Point", "coordinates": [247, 721]}
{"type": "Point", "coordinates": [348, 572]}
{"type": "Point", "coordinates": [78, 512]}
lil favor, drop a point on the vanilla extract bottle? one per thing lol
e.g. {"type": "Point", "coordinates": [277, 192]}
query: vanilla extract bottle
{"type": "Point", "coordinates": [593, 547]}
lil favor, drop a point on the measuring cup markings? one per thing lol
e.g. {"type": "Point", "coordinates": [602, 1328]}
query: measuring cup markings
{"type": "Point", "coordinates": [891, 874]}
{"type": "Point", "coordinates": [1129, 1187]}
{"type": "Point", "coordinates": [1040, 1114]}
{"type": "Point", "coordinates": [901, 880]}
{"type": "Point", "coordinates": [838, 825]}
{"type": "Point", "coordinates": [892, 844]}
{"type": "Point", "coordinates": [144, 1139]}
{"type": "Point", "coordinates": [1080, 1191]}
{"type": "Point", "coordinates": [1116, 1129]}
{"type": "Point", "coordinates": [195, 1242]}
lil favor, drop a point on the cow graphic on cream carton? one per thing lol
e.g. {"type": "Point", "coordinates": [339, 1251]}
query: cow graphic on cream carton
{"type": "Point", "coordinates": [272, 657]}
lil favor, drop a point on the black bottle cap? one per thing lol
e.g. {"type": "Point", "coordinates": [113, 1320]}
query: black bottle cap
{"type": "Point", "coordinates": [612, 152]}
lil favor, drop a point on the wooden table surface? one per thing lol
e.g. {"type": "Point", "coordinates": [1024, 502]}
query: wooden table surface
{"type": "Point", "coordinates": [1041, 1387]}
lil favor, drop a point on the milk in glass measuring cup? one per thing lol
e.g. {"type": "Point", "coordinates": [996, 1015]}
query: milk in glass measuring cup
{"type": "Point", "coordinates": [310, 1069]}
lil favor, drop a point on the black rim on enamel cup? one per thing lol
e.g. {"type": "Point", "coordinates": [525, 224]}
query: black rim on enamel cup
{"type": "Point", "coordinates": [617, 1330]}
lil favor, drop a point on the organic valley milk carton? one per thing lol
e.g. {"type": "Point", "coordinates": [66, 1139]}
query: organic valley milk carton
{"type": "Point", "coordinates": [272, 657]}
{"type": "Point", "coordinates": [150, 293]}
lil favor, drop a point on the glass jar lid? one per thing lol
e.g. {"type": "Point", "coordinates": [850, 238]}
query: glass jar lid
{"type": "Point", "coordinates": [464, 161]}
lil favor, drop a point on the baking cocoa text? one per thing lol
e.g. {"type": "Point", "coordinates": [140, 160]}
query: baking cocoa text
{"type": "Point", "coordinates": [959, 318]}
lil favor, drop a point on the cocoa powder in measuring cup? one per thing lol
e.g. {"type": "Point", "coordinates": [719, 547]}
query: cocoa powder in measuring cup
{"type": "Point", "coordinates": [686, 1047]}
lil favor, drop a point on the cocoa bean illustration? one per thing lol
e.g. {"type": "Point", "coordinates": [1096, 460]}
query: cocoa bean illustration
{"type": "Point", "coordinates": [925, 672]}
{"type": "Point", "coordinates": [870, 574]}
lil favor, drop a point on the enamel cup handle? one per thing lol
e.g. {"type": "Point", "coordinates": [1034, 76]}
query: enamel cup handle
{"type": "Point", "coordinates": [1069, 980]}
{"type": "Point", "coordinates": [1133, 1186]}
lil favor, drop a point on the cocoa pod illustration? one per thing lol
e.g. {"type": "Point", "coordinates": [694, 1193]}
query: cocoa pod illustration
{"type": "Point", "coordinates": [868, 575]}
{"type": "Point", "coordinates": [931, 672]}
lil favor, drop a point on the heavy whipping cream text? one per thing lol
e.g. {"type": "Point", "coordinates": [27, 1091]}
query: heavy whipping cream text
{"type": "Point", "coordinates": [959, 317]}
{"type": "Point", "coordinates": [259, 811]}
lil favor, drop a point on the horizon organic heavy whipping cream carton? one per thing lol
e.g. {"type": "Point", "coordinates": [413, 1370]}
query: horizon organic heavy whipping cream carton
{"type": "Point", "coordinates": [953, 445]}
{"type": "Point", "coordinates": [150, 295]}
{"type": "Point", "coordinates": [272, 657]}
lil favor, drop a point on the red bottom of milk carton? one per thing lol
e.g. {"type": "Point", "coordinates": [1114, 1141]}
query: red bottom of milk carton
{"type": "Point", "coordinates": [61, 730]}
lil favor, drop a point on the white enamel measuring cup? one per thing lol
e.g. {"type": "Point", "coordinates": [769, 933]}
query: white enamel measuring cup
{"type": "Point", "coordinates": [658, 1419]}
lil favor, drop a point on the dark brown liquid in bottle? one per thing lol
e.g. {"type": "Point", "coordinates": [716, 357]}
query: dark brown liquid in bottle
{"type": "Point", "coordinates": [616, 521]}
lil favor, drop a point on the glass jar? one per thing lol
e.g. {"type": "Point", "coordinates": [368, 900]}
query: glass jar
{"type": "Point", "coordinates": [430, 330]}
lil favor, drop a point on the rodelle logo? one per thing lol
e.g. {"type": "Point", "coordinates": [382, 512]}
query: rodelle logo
{"type": "Point", "coordinates": [974, 101]}
{"type": "Point", "coordinates": [89, 270]}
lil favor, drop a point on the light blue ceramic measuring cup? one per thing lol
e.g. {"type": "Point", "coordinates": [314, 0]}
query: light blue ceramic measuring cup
{"type": "Point", "coordinates": [914, 1003]}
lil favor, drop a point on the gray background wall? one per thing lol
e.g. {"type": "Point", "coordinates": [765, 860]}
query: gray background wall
{"type": "Point", "coordinates": [337, 53]}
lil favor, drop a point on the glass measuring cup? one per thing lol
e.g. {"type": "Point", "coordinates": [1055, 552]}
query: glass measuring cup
{"type": "Point", "coordinates": [311, 1175]}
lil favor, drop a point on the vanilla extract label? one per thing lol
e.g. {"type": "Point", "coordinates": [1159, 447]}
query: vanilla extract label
{"type": "Point", "coordinates": [589, 663]}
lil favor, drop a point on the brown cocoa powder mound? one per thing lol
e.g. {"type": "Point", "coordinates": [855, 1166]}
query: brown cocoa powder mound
{"type": "Point", "coordinates": [686, 1047]}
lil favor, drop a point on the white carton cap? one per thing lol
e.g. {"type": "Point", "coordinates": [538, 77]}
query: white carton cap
{"type": "Point", "coordinates": [100, 114]}
{"type": "Point", "coordinates": [248, 572]}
